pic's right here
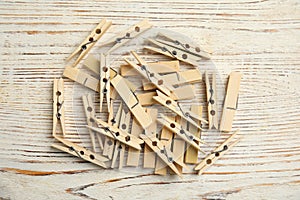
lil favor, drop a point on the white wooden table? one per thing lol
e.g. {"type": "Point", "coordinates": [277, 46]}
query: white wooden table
{"type": "Point", "coordinates": [258, 38]}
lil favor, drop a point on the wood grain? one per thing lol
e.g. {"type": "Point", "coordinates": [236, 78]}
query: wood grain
{"type": "Point", "coordinates": [258, 38]}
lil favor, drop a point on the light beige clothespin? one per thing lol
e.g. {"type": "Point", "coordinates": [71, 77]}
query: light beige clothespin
{"type": "Point", "coordinates": [90, 114]}
{"type": "Point", "coordinates": [211, 95]}
{"type": "Point", "coordinates": [180, 50]}
{"type": "Point", "coordinates": [150, 75]}
{"type": "Point", "coordinates": [177, 129]}
{"type": "Point", "coordinates": [117, 134]}
{"type": "Point", "coordinates": [76, 150]}
{"type": "Point", "coordinates": [131, 100]}
{"type": "Point", "coordinates": [125, 36]}
{"type": "Point", "coordinates": [217, 153]}
{"type": "Point", "coordinates": [58, 106]}
{"type": "Point", "coordinates": [177, 79]}
{"type": "Point", "coordinates": [90, 41]}
{"type": "Point", "coordinates": [104, 80]}
{"type": "Point", "coordinates": [191, 154]}
{"type": "Point", "coordinates": [160, 67]}
{"type": "Point", "coordinates": [175, 107]}
{"type": "Point", "coordinates": [109, 143]}
{"type": "Point", "coordinates": [231, 101]}
{"type": "Point", "coordinates": [162, 151]}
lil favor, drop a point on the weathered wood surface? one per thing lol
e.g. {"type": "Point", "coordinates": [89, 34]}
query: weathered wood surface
{"type": "Point", "coordinates": [258, 38]}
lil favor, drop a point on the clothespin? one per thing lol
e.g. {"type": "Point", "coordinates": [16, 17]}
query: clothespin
{"type": "Point", "coordinates": [211, 95]}
{"type": "Point", "coordinates": [109, 143]}
{"type": "Point", "coordinates": [90, 114]}
{"type": "Point", "coordinates": [125, 36]}
{"type": "Point", "coordinates": [151, 75]}
{"type": "Point", "coordinates": [90, 41]}
{"type": "Point", "coordinates": [217, 153]}
{"type": "Point", "coordinates": [58, 106]}
{"type": "Point", "coordinates": [191, 154]}
{"type": "Point", "coordinates": [231, 101]}
{"type": "Point", "coordinates": [175, 107]}
{"type": "Point", "coordinates": [180, 50]}
{"type": "Point", "coordinates": [162, 151]}
{"type": "Point", "coordinates": [183, 133]}
{"type": "Point", "coordinates": [131, 101]}
{"type": "Point", "coordinates": [117, 134]}
{"type": "Point", "coordinates": [160, 67]}
{"type": "Point", "coordinates": [104, 80]}
{"type": "Point", "coordinates": [76, 150]}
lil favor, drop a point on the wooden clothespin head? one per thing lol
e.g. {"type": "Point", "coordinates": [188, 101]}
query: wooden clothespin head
{"type": "Point", "coordinates": [231, 101]}
{"type": "Point", "coordinates": [178, 49]}
{"type": "Point", "coordinates": [90, 41]}
{"type": "Point", "coordinates": [217, 153]}
{"type": "Point", "coordinates": [117, 134]}
{"type": "Point", "coordinates": [211, 95]}
{"type": "Point", "coordinates": [150, 75]}
{"type": "Point", "coordinates": [182, 133]}
{"type": "Point", "coordinates": [76, 150]}
{"type": "Point", "coordinates": [162, 151]}
{"type": "Point", "coordinates": [176, 108]}
{"type": "Point", "coordinates": [58, 106]}
{"type": "Point", "coordinates": [104, 80]}
{"type": "Point", "coordinates": [127, 35]}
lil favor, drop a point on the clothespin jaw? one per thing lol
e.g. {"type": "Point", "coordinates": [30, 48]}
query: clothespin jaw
{"type": "Point", "coordinates": [179, 50]}
{"type": "Point", "coordinates": [117, 134]}
{"type": "Point", "coordinates": [149, 74]}
{"type": "Point", "coordinates": [125, 36]}
{"type": "Point", "coordinates": [175, 107]}
{"type": "Point", "coordinates": [163, 152]}
{"type": "Point", "coordinates": [217, 153]}
{"type": "Point", "coordinates": [177, 129]}
{"type": "Point", "coordinates": [58, 106]}
{"type": "Point", "coordinates": [90, 41]}
{"type": "Point", "coordinates": [131, 100]}
{"type": "Point", "coordinates": [76, 150]}
{"type": "Point", "coordinates": [104, 80]}
{"type": "Point", "coordinates": [211, 95]}
{"type": "Point", "coordinates": [231, 101]}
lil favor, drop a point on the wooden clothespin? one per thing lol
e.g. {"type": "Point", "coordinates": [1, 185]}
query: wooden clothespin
{"type": "Point", "coordinates": [180, 50]}
{"type": "Point", "coordinates": [58, 106]}
{"type": "Point", "coordinates": [217, 153]}
{"type": "Point", "coordinates": [166, 137]}
{"type": "Point", "coordinates": [183, 133]}
{"type": "Point", "coordinates": [149, 155]}
{"type": "Point", "coordinates": [133, 154]}
{"type": "Point", "coordinates": [177, 79]}
{"type": "Point", "coordinates": [162, 151]}
{"type": "Point", "coordinates": [117, 134]}
{"type": "Point", "coordinates": [131, 101]}
{"type": "Point", "coordinates": [125, 36]}
{"type": "Point", "coordinates": [160, 67]}
{"type": "Point", "coordinates": [231, 101]}
{"type": "Point", "coordinates": [104, 80]}
{"type": "Point", "coordinates": [113, 120]}
{"type": "Point", "coordinates": [191, 154]}
{"type": "Point", "coordinates": [150, 75]}
{"type": "Point", "coordinates": [120, 147]}
{"type": "Point", "coordinates": [175, 107]}
{"type": "Point", "coordinates": [90, 41]}
{"type": "Point", "coordinates": [211, 95]}
{"type": "Point", "coordinates": [89, 110]}
{"type": "Point", "coordinates": [76, 150]}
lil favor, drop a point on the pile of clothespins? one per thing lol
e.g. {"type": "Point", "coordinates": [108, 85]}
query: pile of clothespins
{"type": "Point", "coordinates": [126, 138]}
